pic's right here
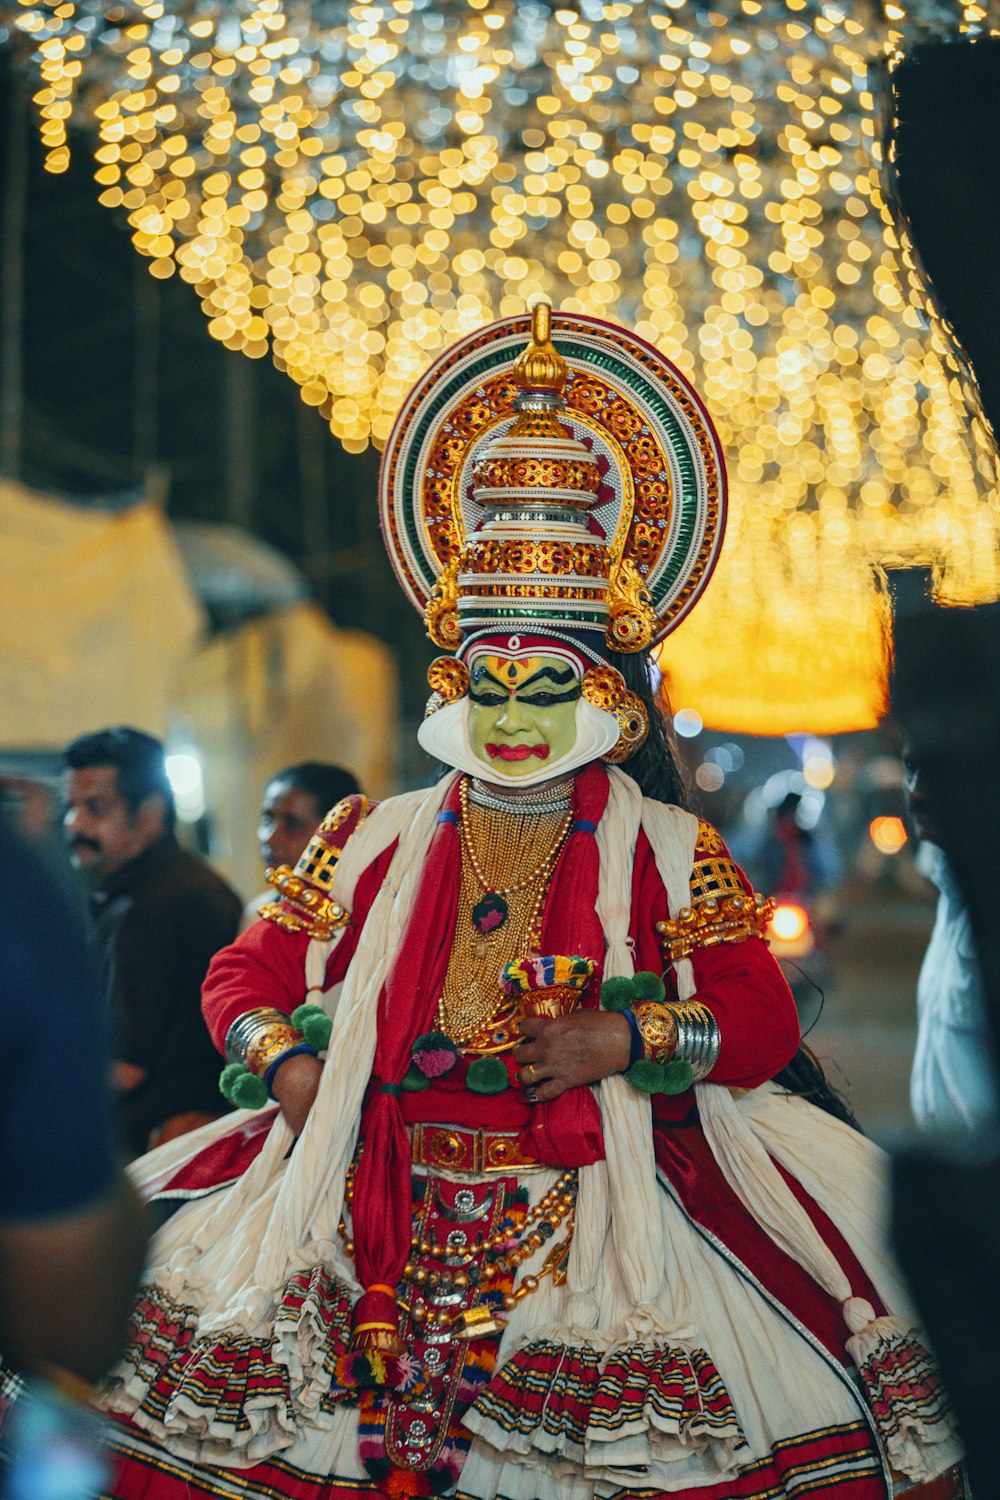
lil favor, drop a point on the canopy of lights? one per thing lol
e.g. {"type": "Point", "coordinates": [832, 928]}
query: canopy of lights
{"type": "Point", "coordinates": [353, 186]}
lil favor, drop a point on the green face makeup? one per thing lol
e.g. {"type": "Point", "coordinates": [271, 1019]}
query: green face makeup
{"type": "Point", "coordinates": [522, 713]}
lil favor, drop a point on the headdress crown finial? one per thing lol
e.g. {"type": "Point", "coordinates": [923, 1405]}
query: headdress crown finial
{"type": "Point", "coordinates": [541, 367]}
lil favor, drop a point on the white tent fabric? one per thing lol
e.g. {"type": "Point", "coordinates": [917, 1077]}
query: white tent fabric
{"type": "Point", "coordinates": [97, 619]}
{"type": "Point", "coordinates": [287, 687]}
{"type": "Point", "coordinates": [99, 625]}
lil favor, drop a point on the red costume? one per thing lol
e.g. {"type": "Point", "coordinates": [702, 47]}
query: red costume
{"type": "Point", "coordinates": [486, 1267]}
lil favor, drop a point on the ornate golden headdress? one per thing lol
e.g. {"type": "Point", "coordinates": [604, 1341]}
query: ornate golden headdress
{"type": "Point", "coordinates": [573, 489]}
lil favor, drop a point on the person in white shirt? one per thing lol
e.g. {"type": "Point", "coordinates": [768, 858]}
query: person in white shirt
{"type": "Point", "coordinates": [953, 1083]}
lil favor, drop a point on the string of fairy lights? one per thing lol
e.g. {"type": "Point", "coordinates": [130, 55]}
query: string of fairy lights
{"type": "Point", "coordinates": [352, 186]}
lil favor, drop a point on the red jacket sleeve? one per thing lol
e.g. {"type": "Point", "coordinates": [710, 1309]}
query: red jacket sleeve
{"type": "Point", "coordinates": [740, 983]}
{"type": "Point", "coordinates": [266, 964]}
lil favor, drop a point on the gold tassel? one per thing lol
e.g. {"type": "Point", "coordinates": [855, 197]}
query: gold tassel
{"type": "Point", "coordinates": [377, 1338]}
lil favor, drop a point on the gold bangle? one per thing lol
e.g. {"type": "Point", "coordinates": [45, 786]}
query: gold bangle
{"type": "Point", "coordinates": [267, 1045]}
{"type": "Point", "coordinates": [658, 1030]}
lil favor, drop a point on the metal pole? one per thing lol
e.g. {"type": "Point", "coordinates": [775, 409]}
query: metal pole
{"type": "Point", "coordinates": [240, 444]}
{"type": "Point", "coordinates": [312, 442]}
{"type": "Point", "coordinates": [146, 370]}
{"type": "Point", "coordinates": [12, 275]}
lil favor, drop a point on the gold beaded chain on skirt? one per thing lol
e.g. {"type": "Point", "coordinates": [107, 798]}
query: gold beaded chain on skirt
{"type": "Point", "coordinates": [508, 847]}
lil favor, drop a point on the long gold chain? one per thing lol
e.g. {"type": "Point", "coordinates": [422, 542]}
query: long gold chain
{"type": "Point", "coordinates": [491, 883]}
{"type": "Point", "coordinates": [512, 856]}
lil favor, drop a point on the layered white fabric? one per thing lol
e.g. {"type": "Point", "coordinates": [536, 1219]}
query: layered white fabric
{"type": "Point", "coordinates": [953, 1080]}
{"type": "Point", "coordinates": [229, 1255]}
{"type": "Point", "coordinates": [640, 1275]}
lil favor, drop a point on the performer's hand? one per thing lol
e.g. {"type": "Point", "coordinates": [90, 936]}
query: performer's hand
{"type": "Point", "coordinates": [294, 1086]}
{"type": "Point", "coordinates": [558, 1053]}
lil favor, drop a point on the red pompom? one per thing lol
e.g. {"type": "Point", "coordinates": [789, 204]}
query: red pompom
{"type": "Point", "coordinates": [404, 1483]}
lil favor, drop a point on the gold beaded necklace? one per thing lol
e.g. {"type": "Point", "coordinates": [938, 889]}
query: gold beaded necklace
{"type": "Point", "coordinates": [501, 824]}
{"type": "Point", "coordinates": [508, 857]}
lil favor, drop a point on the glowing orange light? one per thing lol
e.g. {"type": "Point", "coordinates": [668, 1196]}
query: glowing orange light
{"type": "Point", "coordinates": [789, 923]}
{"type": "Point", "coordinates": [354, 187]}
{"type": "Point", "coordinates": [887, 834]}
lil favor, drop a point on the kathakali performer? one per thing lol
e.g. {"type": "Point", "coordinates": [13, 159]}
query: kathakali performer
{"type": "Point", "coordinates": [532, 1220]}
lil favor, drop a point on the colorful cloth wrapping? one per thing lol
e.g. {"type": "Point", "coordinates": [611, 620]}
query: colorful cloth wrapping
{"type": "Point", "coordinates": [702, 1372]}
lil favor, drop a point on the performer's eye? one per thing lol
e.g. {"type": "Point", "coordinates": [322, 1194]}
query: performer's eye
{"type": "Point", "coordinates": [549, 700]}
{"type": "Point", "coordinates": [487, 699]}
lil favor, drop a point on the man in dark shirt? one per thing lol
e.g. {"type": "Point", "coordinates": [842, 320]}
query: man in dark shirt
{"type": "Point", "coordinates": [160, 914]}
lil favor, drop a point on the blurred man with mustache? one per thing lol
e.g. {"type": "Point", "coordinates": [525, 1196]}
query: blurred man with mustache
{"type": "Point", "coordinates": [160, 914]}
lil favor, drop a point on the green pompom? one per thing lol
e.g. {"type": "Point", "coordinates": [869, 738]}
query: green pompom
{"type": "Point", "coordinates": [487, 1075]}
{"type": "Point", "coordinates": [434, 1054]}
{"type": "Point", "coordinates": [434, 1041]}
{"type": "Point", "coordinates": [617, 993]}
{"type": "Point", "coordinates": [228, 1077]}
{"type": "Point", "coordinates": [414, 1081]}
{"type": "Point", "coordinates": [250, 1092]}
{"type": "Point", "coordinates": [314, 1024]}
{"type": "Point", "coordinates": [648, 986]}
{"type": "Point", "coordinates": [242, 1088]}
{"type": "Point", "coordinates": [647, 1077]}
{"type": "Point", "coordinates": [679, 1077]}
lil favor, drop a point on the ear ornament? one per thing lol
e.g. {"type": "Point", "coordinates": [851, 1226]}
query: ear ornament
{"type": "Point", "coordinates": [633, 727]}
{"type": "Point", "coordinates": [448, 677]}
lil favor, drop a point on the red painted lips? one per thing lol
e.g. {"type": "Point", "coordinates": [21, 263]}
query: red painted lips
{"type": "Point", "coordinates": [517, 752]}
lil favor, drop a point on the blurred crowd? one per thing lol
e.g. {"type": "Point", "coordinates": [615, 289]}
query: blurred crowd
{"type": "Point", "coordinates": [155, 912]}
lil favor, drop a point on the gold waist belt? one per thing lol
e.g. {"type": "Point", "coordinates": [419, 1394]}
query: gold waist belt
{"type": "Point", "coordinates": [458, 1149]}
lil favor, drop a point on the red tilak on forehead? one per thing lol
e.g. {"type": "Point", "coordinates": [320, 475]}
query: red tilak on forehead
{"type": "Point", "coordinates": [520, 648]}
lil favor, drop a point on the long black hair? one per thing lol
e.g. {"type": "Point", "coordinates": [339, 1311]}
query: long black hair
{"type": "Point", "coordinates": [657, 771]}
{"type": "Point", "coordinates": [655, 767]}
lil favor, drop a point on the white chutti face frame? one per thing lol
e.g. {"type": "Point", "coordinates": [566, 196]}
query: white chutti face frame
{"type": "Point", "coordinates": [445, 736]}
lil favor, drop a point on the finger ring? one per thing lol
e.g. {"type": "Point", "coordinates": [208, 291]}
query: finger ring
{"type": "Point", "coordinates": [531, 1072]}
{"type": "Point", "coordinates": [531, 1097]}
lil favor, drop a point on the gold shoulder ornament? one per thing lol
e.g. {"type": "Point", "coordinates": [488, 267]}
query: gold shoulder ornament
{"type": "Point", "coordinates": [709, 840]}
{"type": "Point", "coordinates": [720, 909]}
{"type": "Point", "coordinates": [305, 903]}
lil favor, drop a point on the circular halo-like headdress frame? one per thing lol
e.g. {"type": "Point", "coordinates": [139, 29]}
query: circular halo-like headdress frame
{"type": "Point", "coordinates": [662, 503]}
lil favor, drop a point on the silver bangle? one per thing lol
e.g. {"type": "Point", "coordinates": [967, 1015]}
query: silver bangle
{"type": "Point", "coordinates": [698, 1038]}
{"type": "Point", "coordinates": [248, 1026]}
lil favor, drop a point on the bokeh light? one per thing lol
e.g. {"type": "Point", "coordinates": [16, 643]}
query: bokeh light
{"type": "Point", "coordinates": [710, 776]}
{"type": "Point", "coordinates": [687, 723]}
{"type": "Point", "coordinates": [888, 834]}
{"type": "Point", "coordinates": [790, 922]}
{"type": "Point", "coordinates": [353, 186]}
{"type": "Point", "coordinates": [184, 772]}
